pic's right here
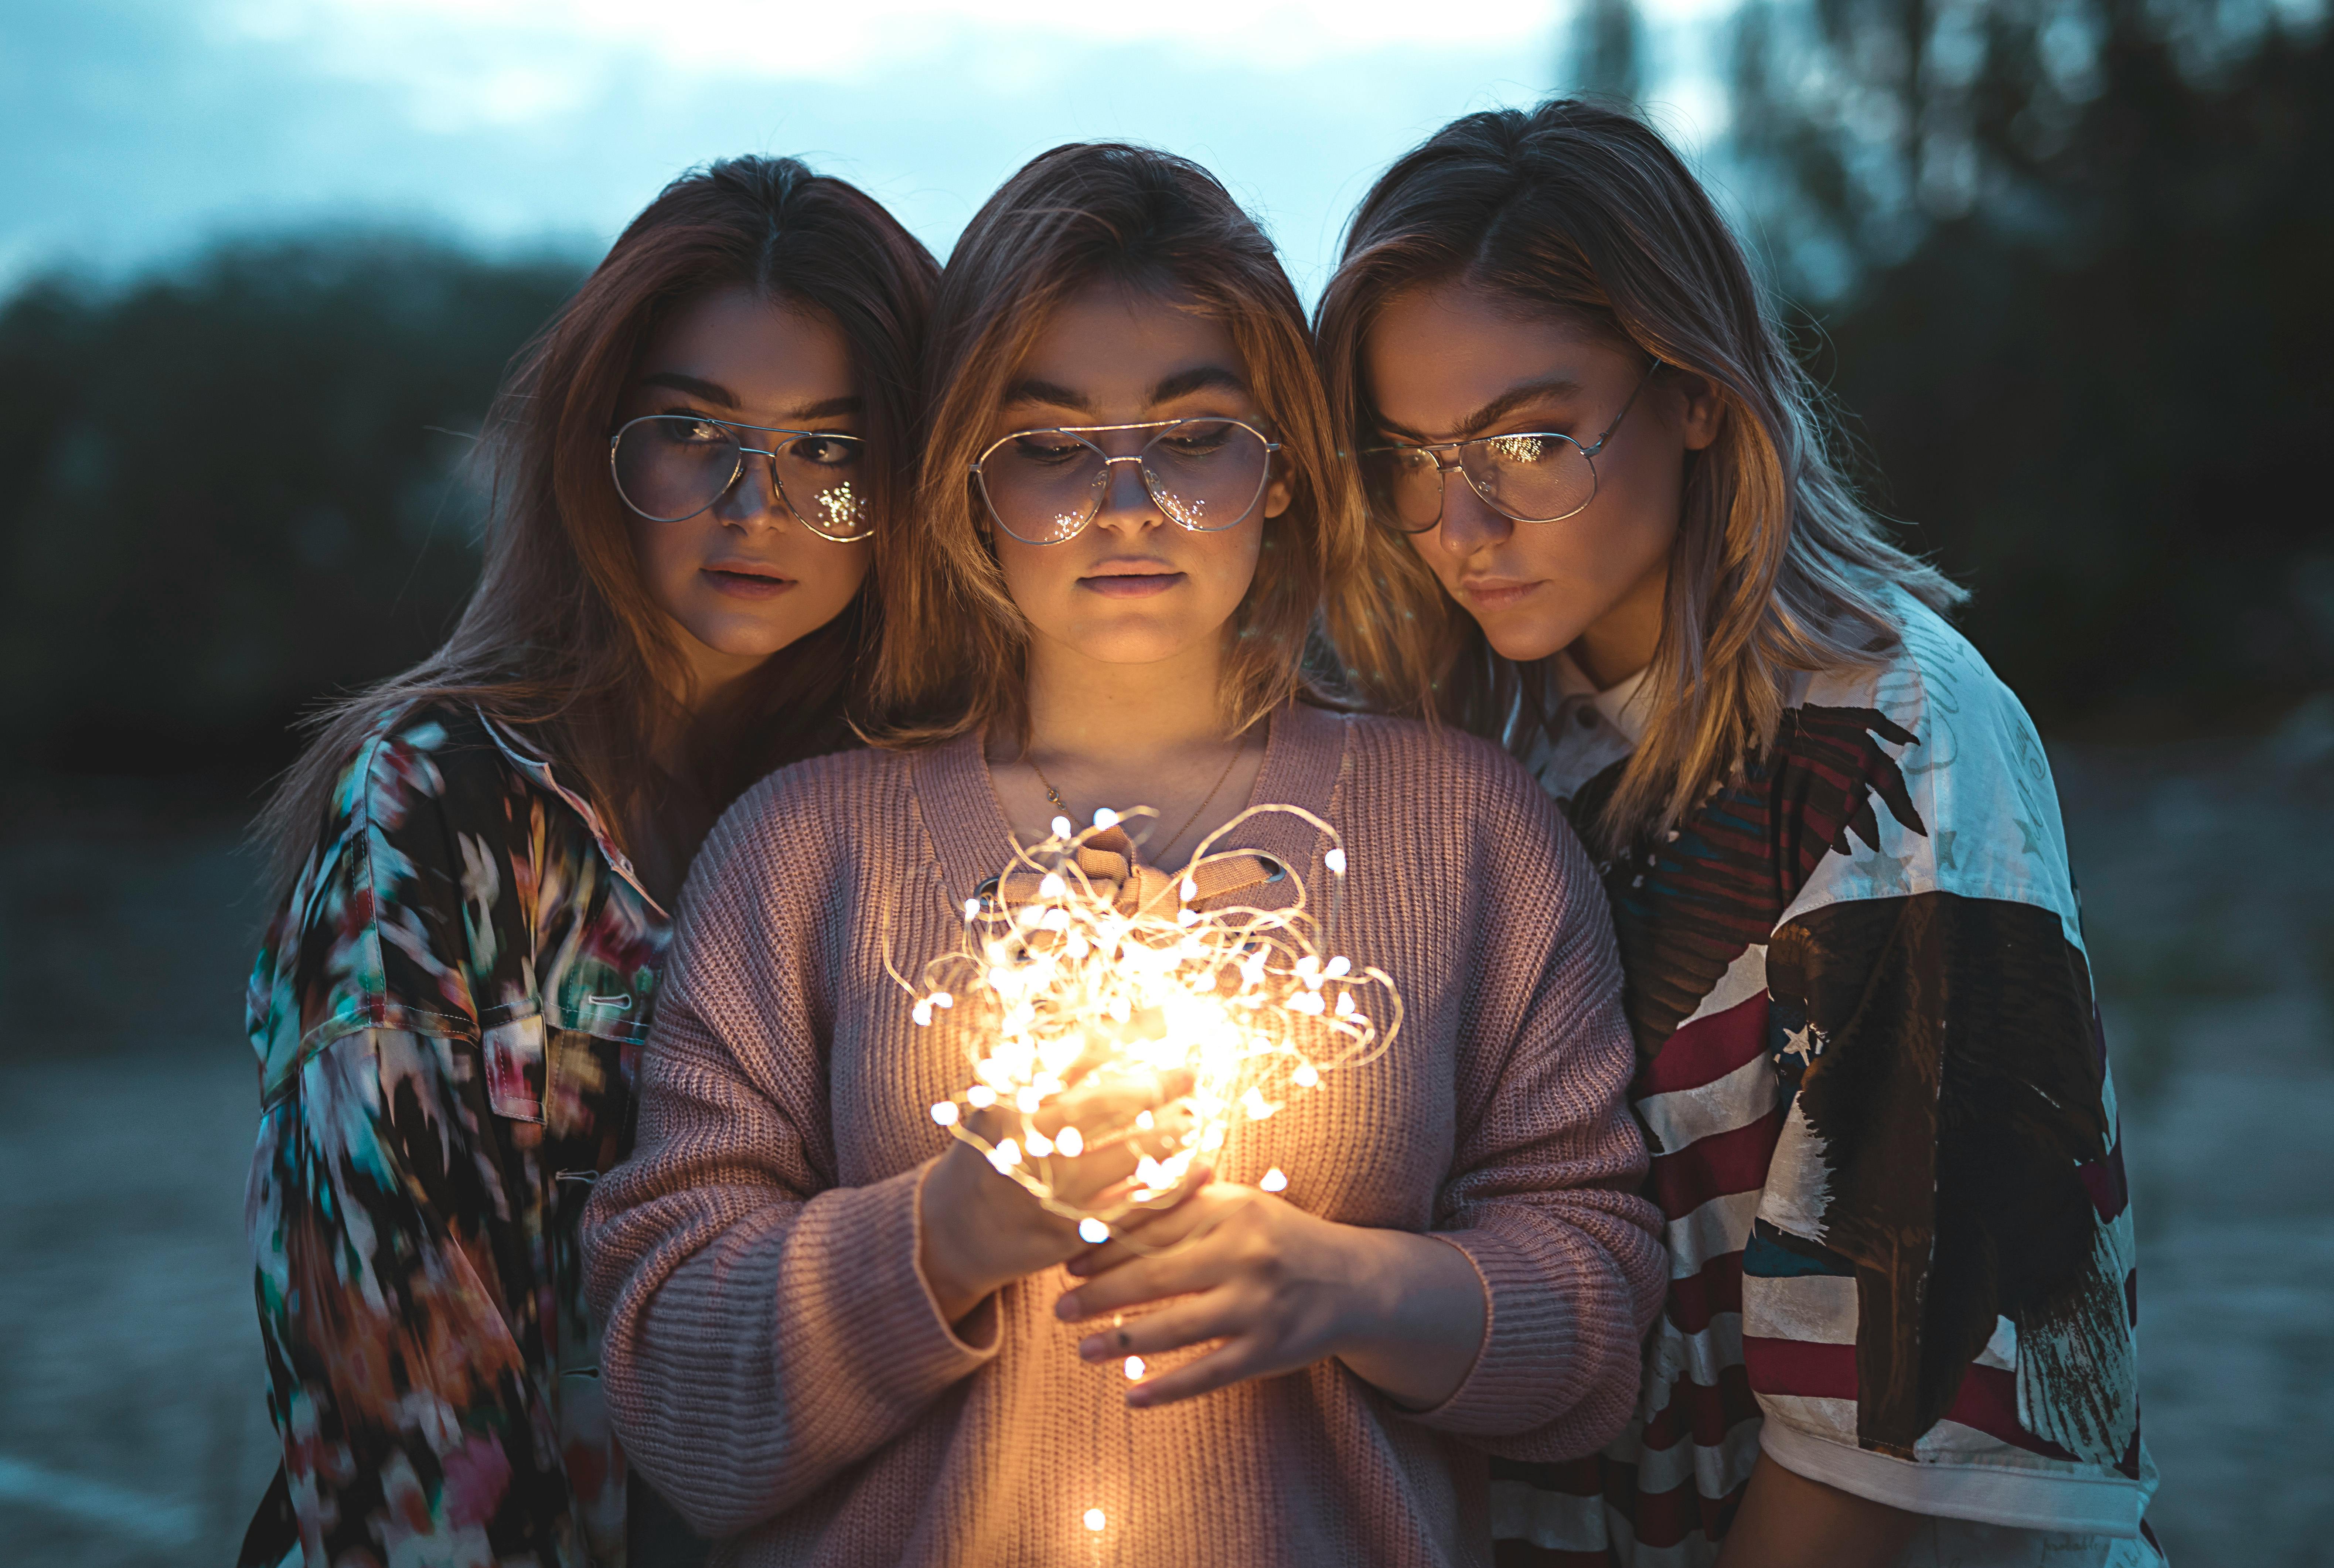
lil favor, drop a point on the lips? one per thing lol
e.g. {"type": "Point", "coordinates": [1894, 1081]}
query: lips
{"type": "Point", "coordinates": [1132, 579]}
{"type": "Point", "coordinates": [1495, 594]}
{"type": "Point", "coordinates": [746, 580]}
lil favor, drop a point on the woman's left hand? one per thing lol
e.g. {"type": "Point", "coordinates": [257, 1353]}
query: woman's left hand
{"type": "Point", "coordinates": [1282, 1290]}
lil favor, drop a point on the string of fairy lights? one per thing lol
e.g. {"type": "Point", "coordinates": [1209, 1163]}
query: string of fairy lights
{"type": "Point", "coordinates": [1087, 983]}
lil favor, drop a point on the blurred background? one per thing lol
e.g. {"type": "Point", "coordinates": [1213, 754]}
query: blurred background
{"type": "Point", "coordinates": [2067, 265]}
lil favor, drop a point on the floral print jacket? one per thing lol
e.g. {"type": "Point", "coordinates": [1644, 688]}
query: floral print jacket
{"type": "Point", "coordinates": [447, 1012]}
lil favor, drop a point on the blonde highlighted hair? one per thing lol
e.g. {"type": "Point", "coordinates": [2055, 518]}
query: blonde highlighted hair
{"type": "Point", "coordinates": [1583, 211]}
{"type": "Point", "coordinates": [954, 651]}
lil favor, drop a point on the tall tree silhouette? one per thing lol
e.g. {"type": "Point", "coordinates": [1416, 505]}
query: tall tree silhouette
{"type": "Point", "coordinates": [1604, 54]}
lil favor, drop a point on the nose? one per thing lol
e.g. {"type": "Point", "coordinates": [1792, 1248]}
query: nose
{"type": "Point", "coordinates": [752, 500]}
{"type": "Point", "coordinates": [1468, 523]}
{"type": "Point", "coordinates": [1127, 508]}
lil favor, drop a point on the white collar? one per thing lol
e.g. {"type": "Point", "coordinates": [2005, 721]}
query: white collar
{"type": "Point", "coordinates": [1619, 703]}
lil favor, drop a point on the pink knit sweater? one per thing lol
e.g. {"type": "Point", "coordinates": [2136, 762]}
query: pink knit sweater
{"type": "Point", "coordinates": [773, 1358]}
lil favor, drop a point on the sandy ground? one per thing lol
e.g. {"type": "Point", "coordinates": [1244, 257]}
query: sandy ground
{"type": "Point", "coordinates": [133, 1431]}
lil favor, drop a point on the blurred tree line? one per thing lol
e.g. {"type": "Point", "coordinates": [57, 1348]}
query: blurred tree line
{"type": "Point", "coordinates": [227, 493]}
{"type": "Point", "coordinates": [2065, 263]}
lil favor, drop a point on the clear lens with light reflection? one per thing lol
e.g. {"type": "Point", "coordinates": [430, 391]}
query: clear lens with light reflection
{"type": "Point", "coordinates": [1532, 476]}
{"type": "Point", "coordinates": [672, 467]}
{"type": "Point", "coordinates": [1044, 486]}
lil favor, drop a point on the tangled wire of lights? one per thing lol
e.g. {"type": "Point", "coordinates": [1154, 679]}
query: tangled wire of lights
{"type": "Point", "coordinates": [1086, 975]}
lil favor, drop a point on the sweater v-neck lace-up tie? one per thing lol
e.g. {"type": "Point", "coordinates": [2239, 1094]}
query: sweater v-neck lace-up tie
{"type": "Point", "coordinates": [775, 1360]}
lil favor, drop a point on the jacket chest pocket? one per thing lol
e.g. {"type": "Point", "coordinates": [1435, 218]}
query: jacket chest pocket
{"type": "Point", "coordinates": [518, 1069]}
{"type": "Point", "coordinates": [575, 1086]}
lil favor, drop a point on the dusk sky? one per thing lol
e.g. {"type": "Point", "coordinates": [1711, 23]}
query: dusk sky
{"type": "Point", "coordinates": [131, 132]}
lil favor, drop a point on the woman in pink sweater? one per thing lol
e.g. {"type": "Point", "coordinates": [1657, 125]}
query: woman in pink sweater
{"type": "Point", "coordinates": [836, 1334]}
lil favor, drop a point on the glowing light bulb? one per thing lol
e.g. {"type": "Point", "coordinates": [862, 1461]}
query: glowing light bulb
{"type": "Point", "coordinates": [981, 1095]}
{"type": "Point", "coordinates": [1275, 1180]}
{"type": "Point", "coordinates": [1104, 817]}
{"type": "Point", "coordinates": [1096, 1519]}
{"type": "Point", "coordinates": [1306, 1076]}
{"type": "Point", "coordinates": [1039, 1144]}
{"type": "Point", "coordinates": [944, 1113]}
{"type": "Point", "coordinates": [1092, 1231]}
{"type": "Point", "coordinates": [1134, 1368]}
{"type": "Point", "coordinates": [1061, 826]}
{"type": "Point", "coordinates": [1071, 1142]}
{"type": "Point", "coordinates": [1336, 860]}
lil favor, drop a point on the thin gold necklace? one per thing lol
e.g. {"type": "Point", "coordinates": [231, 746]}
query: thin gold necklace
{"type": "Point", "coordinates": [1063, 806]}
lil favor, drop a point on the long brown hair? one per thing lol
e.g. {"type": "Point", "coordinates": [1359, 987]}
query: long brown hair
{"type": "Point", "coordinates": [954, 650]}
{"type": "Point", "coordinates": [560, 640]}
{"type": "Point", "coordinates": [1776, 567]}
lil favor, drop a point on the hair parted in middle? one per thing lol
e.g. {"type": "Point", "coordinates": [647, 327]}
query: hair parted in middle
{"type": "Point", "coordinates": [954, 649]}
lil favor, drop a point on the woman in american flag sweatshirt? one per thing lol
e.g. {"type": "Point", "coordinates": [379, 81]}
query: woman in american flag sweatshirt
{"type": "Point", "coordinates": [1901, 1315]}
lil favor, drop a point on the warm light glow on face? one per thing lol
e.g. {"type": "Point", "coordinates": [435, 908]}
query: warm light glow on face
{"type": "Point", "coordinates": [1077, 988]}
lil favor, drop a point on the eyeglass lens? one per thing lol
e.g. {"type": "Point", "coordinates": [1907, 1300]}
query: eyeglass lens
{"type": "Point", "coordinates": [1532, 478]}
{"type": "Point", "coordinates": [1045, 485]}
{"type": "Point", "coordinates": [669, 466]}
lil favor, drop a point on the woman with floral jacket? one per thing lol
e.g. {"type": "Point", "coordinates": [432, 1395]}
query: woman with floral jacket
{"type": "Point", "coordinates": [476, 861]}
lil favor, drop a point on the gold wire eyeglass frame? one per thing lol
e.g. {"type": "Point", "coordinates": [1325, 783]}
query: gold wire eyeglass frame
{"type": "Point", "coordinates": [1457, 463]}
{"type": "Point", "coordinates": [778, 486]}
{"type": "Point", "coordinates": [1101, 489]}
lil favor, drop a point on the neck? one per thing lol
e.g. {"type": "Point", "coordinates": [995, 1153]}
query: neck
{"type": "Point", "coordinates": [1621, 641]}
{"type": "Point", "coordinates": [1081, 706]}
{"type": "Point", "coordinates": [709, 688]}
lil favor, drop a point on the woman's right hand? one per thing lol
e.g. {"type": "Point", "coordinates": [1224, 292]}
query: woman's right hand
{"type": "Point", "coordinates": [980, 1229]}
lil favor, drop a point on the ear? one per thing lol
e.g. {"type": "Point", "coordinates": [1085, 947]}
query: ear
{"type": "Point", "coordinates": [1701, 410]}
{"type": "Point", "coordinates": [1276, 492]}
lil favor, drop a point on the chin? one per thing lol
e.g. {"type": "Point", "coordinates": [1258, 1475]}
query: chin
{"type": "Point", "coordinates": [1132, 640]}
{"type": "Point", "coordinates": [1528, 644]}
{"type": "Point", "coordinates": [747, 642]}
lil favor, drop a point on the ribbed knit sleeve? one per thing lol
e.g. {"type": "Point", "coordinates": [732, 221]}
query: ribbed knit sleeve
{"type": "Point", "coordinates": [1543, 1193]}
{"type": "Point", "coordinates": [765, 1327]}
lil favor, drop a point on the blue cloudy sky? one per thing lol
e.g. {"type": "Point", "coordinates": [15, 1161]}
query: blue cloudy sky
{"type": "Point", "coordinates": [132, 131]}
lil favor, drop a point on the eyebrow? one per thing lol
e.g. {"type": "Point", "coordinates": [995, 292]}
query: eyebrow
{"type": "Point", "coordinates": [1498, 408]}
{"type": "Point", "coordinates": [1036, 389]}
{"type": "Point", "coordinates": [721, 397]}
{"type": "Point", "coordinates": [1181, 384]}
{"type": "Point", "coordinates": [711, 391]}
